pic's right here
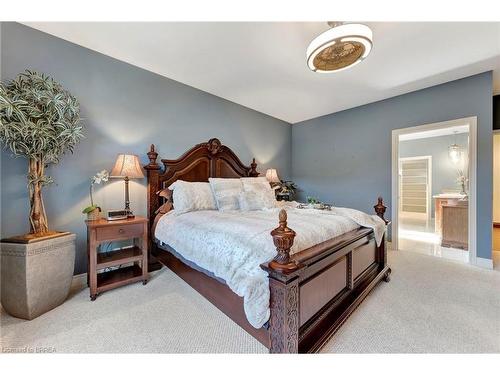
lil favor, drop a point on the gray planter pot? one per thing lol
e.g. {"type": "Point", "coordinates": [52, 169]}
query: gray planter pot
{"type": "Point", "coordinates": [36, 277]}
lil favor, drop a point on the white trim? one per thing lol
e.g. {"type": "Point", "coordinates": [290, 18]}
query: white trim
{"type": "Point", "coordinates": [473, 190]}
{"type": "Point", "coordinates": [484, 263]}
{"type": "Point", "coordinates": [472, 122]}
{"type": "Point", "coordinates": [434, 133]}
{"type": "Point", "coordinates": [496, 177]}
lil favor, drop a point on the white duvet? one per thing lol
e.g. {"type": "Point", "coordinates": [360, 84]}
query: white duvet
{"type": "Point", "coordinates": [233, 244]}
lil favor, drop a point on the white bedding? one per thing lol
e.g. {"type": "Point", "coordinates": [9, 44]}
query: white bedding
{"type": "Point", "coordinates": [233, 244]}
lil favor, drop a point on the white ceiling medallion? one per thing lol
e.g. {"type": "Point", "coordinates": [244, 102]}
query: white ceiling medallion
{"type": "Point", "coordinates": [339, 48]}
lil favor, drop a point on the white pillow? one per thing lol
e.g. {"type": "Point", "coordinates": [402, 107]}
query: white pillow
{"type": "Point", "coordinates": [250, 201]}
{"type": "Point", "coordinates": [261, 189]}
{"type": "Point", "coordinates": [226, 192]}
{"type": "Point", "coordinates": [192, 196]}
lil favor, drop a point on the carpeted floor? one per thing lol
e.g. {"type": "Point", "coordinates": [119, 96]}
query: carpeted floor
{"type": "Point", "coordinates": [430, 305]}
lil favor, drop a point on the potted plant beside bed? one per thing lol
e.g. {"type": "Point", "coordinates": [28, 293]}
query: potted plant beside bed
{"type": "Point", "coordinates": [94, 211]}
{"type": "Point", "coordinates": [286, 190]}
{"type": "Point", "coordinates": [40, 121]}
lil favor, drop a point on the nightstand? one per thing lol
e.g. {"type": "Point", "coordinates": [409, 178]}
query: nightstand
{"type": "Point", "coordinates": [102, 231]}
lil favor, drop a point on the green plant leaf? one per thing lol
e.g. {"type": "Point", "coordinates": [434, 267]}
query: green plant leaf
{"type": "Point", "coordinates": [38, 117]}
{"type": "Point", "coordinates": [88, 209]}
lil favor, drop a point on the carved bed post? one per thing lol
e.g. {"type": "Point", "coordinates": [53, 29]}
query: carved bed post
{"type": "Point", "coordinates": [380, 209]}
{"type": "Point", "coordinates": [284, 320]}
{"type": "Point", "coordinates": [253, 169]}
{"type": "Point", "coordinates": [283, 240]}
{"type": "Point", "coordinates": [284, 288]}
{"type": "Point", "coordinates": [153, 171]}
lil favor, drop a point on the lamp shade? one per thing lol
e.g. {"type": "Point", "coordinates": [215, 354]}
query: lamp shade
{"type": "Point", "coordinates": [272, 175]}
{"type": "Point", "coordinates": [127, 166]}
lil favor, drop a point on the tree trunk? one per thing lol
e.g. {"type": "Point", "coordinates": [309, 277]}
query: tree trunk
{"type": "Point", "coordinates": [38, 217]}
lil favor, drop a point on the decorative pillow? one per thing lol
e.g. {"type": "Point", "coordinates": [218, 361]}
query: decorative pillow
{"type": "Point", "coordinates": [261, 189]}
{"type": "Point", "coordinates": [167, 205]}
{"type": "Point", "coordinates": [192, 196]}
{"type": "Point", "coordinates": [165, 193]}
{"type": "Point", "coordinates": [226, 192]}
{"type": "Point", "coordinates": [250, 201]}
{"type": "Point", "coordinates": [164, 208]}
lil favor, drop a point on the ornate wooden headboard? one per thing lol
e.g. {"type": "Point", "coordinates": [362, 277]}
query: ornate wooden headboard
{"type": "Point", "coordinates": [209, 159]}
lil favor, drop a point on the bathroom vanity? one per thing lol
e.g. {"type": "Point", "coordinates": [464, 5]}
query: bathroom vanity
{"type": "Point", "coordinates": [451, 215]}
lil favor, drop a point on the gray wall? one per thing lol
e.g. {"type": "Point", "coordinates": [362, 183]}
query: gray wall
{"type": "Point", "coordinates": [444, 172]}
{"type": "Point", "coordinates": [125, 110]}
{"type": "Point", "coordinates": [345, 157]}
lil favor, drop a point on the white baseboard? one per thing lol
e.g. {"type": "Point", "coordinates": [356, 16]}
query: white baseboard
{"type": "Point", "coordinates": [484, 263]}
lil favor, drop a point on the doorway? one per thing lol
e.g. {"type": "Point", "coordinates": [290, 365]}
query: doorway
{"type": "Point", "coordinates": [434, 189]}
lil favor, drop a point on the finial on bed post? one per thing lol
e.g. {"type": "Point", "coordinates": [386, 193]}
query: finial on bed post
{"type": "Point", "coordinates": [152, 156]}
{"type": "Point", "coordinates": [153, 171]}
{"type": "Point", "coordinates": [253, 169]}
{"type": "Point", "coordinates": [380, 209]}
{"type": "Point", "coordinates": [283, 240]}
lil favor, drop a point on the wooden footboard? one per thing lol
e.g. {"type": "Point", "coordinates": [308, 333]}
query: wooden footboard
{"type": "Point", "coordinates": [314, 291]}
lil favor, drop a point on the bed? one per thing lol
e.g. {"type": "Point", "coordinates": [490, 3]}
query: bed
{"type": "Point", "coordinates": [302, 288]}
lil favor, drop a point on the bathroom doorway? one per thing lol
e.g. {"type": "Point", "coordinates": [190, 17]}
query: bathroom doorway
{"type": "Point", "coordinates": [433, 180]}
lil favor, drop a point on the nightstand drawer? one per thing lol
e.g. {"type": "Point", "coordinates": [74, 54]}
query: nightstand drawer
{"type": "Point", "coordinates": [119, 231]}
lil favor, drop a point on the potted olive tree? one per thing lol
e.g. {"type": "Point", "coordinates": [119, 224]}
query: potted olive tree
{"type": "Point", "coordinates": [40, 121]}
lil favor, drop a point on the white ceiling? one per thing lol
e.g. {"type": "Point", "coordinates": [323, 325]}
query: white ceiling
{"type": "Point", "coordinates": [262, 65]}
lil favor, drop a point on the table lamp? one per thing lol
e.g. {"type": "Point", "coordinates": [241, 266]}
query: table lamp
{"type": "Point", "coordinates": [272, 177]}
{"type": "Point", "coordinates": [127, 167]}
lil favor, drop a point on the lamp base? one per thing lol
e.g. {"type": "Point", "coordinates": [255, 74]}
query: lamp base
{"type": "Point", "coordinates": [130, 214]}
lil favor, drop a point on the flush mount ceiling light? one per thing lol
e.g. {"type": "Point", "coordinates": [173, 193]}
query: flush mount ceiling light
{"type": "Point", "coordinates": [339, 48]}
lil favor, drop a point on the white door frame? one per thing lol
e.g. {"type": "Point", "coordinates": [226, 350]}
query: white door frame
{"type": "Point", "coordinates": [429, 183]}
{"type": "Point", "coordinates": [496, 167]}
{"type": "Point", "coordinates": [472, 123]}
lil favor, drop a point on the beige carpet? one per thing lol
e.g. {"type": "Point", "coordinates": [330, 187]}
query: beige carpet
{"type": "Point", "coordinates": [430, 305]}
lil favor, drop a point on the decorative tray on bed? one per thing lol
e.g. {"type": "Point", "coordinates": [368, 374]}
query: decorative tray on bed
{"type": "Point", "coordinates": [315, 206]}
